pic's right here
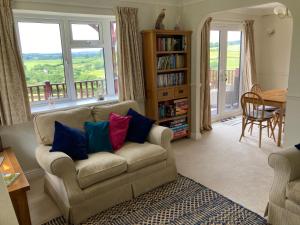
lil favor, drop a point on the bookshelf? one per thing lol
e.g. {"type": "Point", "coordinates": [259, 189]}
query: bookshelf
{"type": "Point", "coordinates": [167, 69]}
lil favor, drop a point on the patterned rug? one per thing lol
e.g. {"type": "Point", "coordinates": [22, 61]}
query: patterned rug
{"type": "Point", "coordinates": [183, 201]}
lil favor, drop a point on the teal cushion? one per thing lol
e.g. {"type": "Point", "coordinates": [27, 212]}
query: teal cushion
{"type": "Point", "coordinates": [98, 137]}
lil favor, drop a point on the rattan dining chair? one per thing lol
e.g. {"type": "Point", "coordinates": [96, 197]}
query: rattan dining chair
{"type": "Point", "coordinates": [254, 114]}
{"type": "Point", "coordinates": [256, 88]}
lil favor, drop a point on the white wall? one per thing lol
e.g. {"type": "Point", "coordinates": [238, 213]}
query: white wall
{"type": "Point", "coordinates": [273, 54]}
{"type": "Point", "coordinates": [22, 137]}
{"type": "Point", "coordinates": [194, 14]}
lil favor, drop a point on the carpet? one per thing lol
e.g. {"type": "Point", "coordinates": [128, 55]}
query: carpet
{"type": "Point", "coordinates": [183, 201]}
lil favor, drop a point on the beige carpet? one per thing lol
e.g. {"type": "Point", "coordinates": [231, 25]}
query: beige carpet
{"type": "Point", "coordinates": [239, 171]}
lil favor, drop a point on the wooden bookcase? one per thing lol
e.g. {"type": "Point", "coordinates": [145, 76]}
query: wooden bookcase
{"type": "Point", "coordinates": [167, 71]}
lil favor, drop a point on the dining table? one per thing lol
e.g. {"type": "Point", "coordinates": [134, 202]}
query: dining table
{"type": "Point", "coordinates": [276, 98]}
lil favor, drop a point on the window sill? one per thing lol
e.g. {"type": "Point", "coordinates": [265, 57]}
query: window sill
{"type": "Point", "coordinates": [72, 104]}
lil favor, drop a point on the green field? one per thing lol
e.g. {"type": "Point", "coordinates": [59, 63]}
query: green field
{"type": "Point", "coordinates": [49, 67]}
{"type": "Point", "coordinates": [233, 56]}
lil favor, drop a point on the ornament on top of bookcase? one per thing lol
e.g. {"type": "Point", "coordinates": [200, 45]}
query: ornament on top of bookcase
{"type": "Point", "coordinates": [159, 21]}
{"type": "Point", "coordinates": [177, 25]}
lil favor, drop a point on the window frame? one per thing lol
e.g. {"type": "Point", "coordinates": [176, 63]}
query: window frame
{"type": "Point", "coordinates": [67, 44]}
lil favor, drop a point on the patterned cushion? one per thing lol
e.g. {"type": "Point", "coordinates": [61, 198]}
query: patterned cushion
{"type": "Point", "coordinates": [141, 155]}
{"type": "Point", "coordinates": [293, 191]}
{"type": "Point", "coordinates": [98, 167]}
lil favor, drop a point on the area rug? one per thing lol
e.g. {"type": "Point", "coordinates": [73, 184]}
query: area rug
{"type": "Point", "coordinates": [183, 201]}
{"type": "Point", "coordinates": [232, 121]}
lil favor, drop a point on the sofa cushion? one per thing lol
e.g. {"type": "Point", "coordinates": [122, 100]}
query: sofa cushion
{"type": "Point", "coordinates": [101, 113]}
{"type": "Point", "coordinates": [71, 141]}
{"type": "Point", "coordinates": [44, 123]}
{"type": "Point", "coordinates": [141, 155]}
{"type": "Point", "coordinates": [98, 167]}
{"type": "Point", "coordinates": [293, 191]}
{"type": "Point", "coordinates": [98, 136]}
{"type": "Point", "coordinates": [139, 127]}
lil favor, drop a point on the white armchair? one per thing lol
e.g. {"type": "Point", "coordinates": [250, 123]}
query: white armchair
{"type": "Point", "coordinates": [284, 200]}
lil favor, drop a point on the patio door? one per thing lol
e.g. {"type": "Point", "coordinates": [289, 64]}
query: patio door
{"type": "Point", "coordinates": [225, 70]}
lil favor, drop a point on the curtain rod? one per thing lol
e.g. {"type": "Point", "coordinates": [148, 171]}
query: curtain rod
{"type": "Point", "coordinates": [227, 21]}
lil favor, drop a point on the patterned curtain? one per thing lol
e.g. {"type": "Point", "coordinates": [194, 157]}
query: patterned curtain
{"type": "Point", "coordinates": [205, 111]}
{"type": "Point", "coordinates": [14, 102]}
{"type": "Point", "coordinates": [130, 74]}
{"type": "Point", "coordinates": [249, 72]}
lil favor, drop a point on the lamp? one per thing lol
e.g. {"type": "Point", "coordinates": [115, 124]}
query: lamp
{"type": "Point", "coordinates": [281, 11]}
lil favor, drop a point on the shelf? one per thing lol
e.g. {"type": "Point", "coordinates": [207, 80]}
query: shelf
{"type": "Point", "coordinates": [172, 118]}
{"type": "Point", "coordinates": [171, 70]}
{"type": "Point", "coordinates": [170, 52]}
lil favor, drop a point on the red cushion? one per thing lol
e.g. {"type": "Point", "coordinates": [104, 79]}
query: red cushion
{"type": "Point", "coordinates": [118, 127]}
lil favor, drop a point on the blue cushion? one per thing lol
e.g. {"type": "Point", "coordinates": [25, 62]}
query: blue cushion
{"type": "Point", "coordinates": [69, 140]}
{"type": "Point", "coordinates": [139, 127]}
{"type": "Point", "coordinates": [98, 136]}
{"type": "Point", "coordinates": [297, 146]}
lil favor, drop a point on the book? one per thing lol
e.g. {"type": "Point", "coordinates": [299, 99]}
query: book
{"type": "Point", "coordinates": [1, 160]}
{"type": "Point", "coordinates": [9, 178]}
{"type": "Point", "coordinates": [171, 43]}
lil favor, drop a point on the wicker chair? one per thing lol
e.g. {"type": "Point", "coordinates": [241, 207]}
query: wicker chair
{"type": "Point", "coordinates": [256, 88]}
{"type": "Point", "coordinates": [254, 114]}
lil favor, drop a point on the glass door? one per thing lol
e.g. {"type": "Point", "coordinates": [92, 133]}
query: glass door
{"type": "Point", "coordinates": [225, 70]}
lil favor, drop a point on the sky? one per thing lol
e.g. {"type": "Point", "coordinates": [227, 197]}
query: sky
{"type": "Point", "coordinates": [45, 37]}
{"type": "Point", "coordinates": [232, 36]}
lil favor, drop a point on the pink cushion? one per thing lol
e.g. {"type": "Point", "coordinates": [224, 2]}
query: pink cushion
{"type": "Point", "coordinates": [118, 127]}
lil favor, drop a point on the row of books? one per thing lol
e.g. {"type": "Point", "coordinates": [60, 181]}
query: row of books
{"type": "Point", "coordinates": [181, 106]}
{"type": "Point", "coordinates": [170, 62]}
{"type": "Point", "coordinates": [171, 44]}
{"type": "Point", "coordinates": [179, 127]}
{"type": "Point", "coordinates": [173, 108]}
{"type": "Point", "coordinates": [171, 79]}
{"type": "Point", "coordinates": [166, 110]}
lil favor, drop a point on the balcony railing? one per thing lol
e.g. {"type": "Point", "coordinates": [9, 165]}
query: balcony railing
{"type": "Point", "coordinates": [232, 76]}
{"type": "Point", "coordinates": [83, 89]}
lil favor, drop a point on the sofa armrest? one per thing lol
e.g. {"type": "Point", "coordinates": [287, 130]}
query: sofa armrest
{"type": "Point", "coordinates": [286, 168]}
{"type": "Point", "coordinates": [55, 163]}
{"type": "Point", "coordinates": [160, 135]}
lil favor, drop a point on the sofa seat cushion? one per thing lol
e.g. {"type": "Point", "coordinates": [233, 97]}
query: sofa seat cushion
{"type": "Point", "coordinates": [293, 191]}
{"type": "Point", "coordinates": [98, 167]}
{"type": "Point", "coordinates": [141, 155]}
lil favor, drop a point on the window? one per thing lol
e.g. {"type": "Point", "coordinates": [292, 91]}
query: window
{"type": "Point", "coordinates": [68, 59]}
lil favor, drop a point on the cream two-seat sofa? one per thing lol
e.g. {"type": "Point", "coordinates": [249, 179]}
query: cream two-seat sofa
{"type": "Point", "coordinates": [85, 187]}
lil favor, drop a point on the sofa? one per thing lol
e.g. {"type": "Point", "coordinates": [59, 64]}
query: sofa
{"type": "Point", "coordinates": [284, 200]}
{"type": "Point", "coordinates": [85, 187]}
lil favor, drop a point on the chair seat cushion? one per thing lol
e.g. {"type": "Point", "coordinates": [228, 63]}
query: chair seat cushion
{"type": "Point", "coordinates": [268, 108]}
{"type": "Point", "coordinates": [257, 115]}
{"type": "Point", "coordinates": [98, 167]}
{"type": "Point", "coordinates": [293, 191]}
{"type": "Point", "coordinates": [141, 155]}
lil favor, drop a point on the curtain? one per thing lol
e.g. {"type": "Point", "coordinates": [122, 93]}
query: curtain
{"type": "Point", "coordinates": [205, 111]}
{"type": "Point", "coordinates": [130, 72]}
{"type": "Point", "coordinates": [249, 72]}
{"type": "Point", "coordinates": [14, 102]}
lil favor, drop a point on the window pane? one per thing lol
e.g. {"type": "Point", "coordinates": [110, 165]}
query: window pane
{"type": "Point", "coordinates": [89, 72]}
{"type": "Point", "coordinates": [113, 32]}
{"type": "Point", "coordinates": [81, 32]}
{"type": "Point", "coordinates": [43, 60]}
{"type": "Point", "coordinates": [233, 70]}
